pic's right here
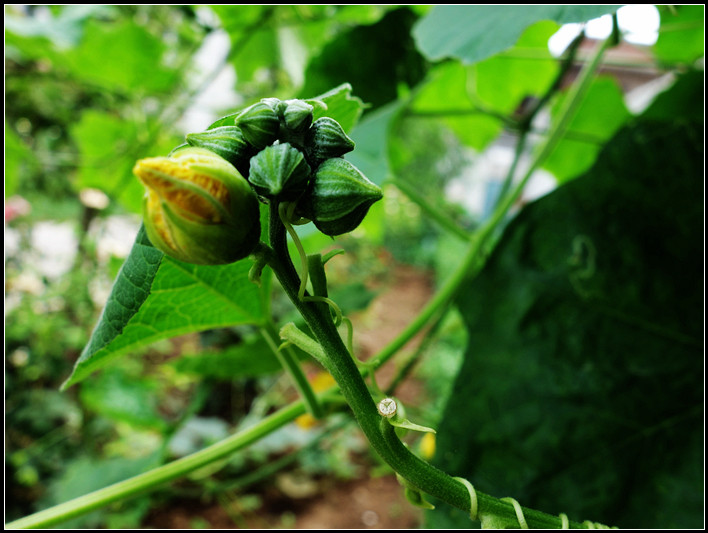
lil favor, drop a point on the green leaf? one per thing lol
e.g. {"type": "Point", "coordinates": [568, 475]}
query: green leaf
{"type": "Point", "coordinates": [120, 396]}
{"type": "Point", "coordinates": [601, 113]}
{"type": "Point", "coordinates": [582, 387]}
{"type": "Point", "coordinates": [445, 95]}
{"type": "Point", "coordinates": [104, 142]}
{"type": "Point", "coordinates": [19, 159]}
{"type": "Point", "coordinates": [341, 106]}
{"type": "Point", "coordinates": [157, 297]}
{"type": "Point", "coordinates": [119, 56]}
{"type": "Point", "coordinates": [684, 100]}
{"type": "Point", "coordinates": [86, 474]}
{"type": "Point", "coordinates": [375, 59]}
{"type": "Point", "coordinates": [371, 138]}
{"type": "Point", "coordinates": [475, 32]}
{"type": "Point", "coordinates": [252, 358]}
{"type": "Point", "coordinates": [528, 69]}
{"type": "Point", "coordinates": [681, 34]}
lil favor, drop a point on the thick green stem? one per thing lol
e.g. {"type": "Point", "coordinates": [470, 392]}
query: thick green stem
{"type": "Point", "coordinates": [340, 364]}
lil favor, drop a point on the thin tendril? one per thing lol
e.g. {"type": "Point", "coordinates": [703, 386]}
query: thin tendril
{"type": "Point", "coordinates": [473, 497]}
{"type": "Point", "coordinates": [519, 512]}
{"type": "Point", "coordinates": [285, 219]}
{"type": "Point", "coordinates": [337, 311]}
{"type": "Point", "coordinates": [564, 521]}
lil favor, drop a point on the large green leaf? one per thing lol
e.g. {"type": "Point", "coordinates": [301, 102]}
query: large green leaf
{"type": "Point", "coordinates": [601, 113]}
{"type": "Point", "coordinates": [468, 97]}
{"type": "Point", "coordinates": [157, 297]}
{"type": "Point", "coordinates": [681, 34]}
{"type": "Point", "coordinates": [445, 95]}
{"type": "Point", "coordinates": [527, 69]}
{"type": "Point", "coordinates": [475, 32]}
{"type": "Point", "coordinates": [582, 387]}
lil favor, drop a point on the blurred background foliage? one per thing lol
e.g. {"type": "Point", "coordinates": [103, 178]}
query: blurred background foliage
{"type": "Point", "coordinates": [89, 89]}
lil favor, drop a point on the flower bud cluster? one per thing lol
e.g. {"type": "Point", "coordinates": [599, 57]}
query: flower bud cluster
{"type": "Point", "coordinates": [201, 204]}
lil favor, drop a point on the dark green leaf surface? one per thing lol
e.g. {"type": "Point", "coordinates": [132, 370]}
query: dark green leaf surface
{"type": "Point", "coordinates": [365, 57]}
{"type": "Point", "coordinates": [472, 33]}
{"type": "Point", "coordinates": [156, 297]}
{"type": "Point", "coordinates": [582, 387]}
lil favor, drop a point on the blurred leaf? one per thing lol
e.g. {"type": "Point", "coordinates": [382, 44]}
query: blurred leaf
{"type": "Point", "coordinates": [444, 95]}
{"type": "Point", "coordinates": [371, 138]}
{"type": "Point", "coordinates": [374, 59]}
{"type": "Point", "coordinates": [528, 69]}
{"type": "Point", "coordinates": [250, 359]}
{"type": "Point", "coordinates": [104, 142]}
{"type": "Point", "coordinates": [472, 33]}
{"type": "Point", "coordinates": [119, 56]}
{"type": "Point", "coordinates": [582, 387]}
{"type": "Point", "coordinates": [684, 100]}
{"type": "Point", "coordinates": [466, 98]}
{"type": "Point", "coordinates": [120, 396]}
{"type": "Point", "coordinates": [681, 34]}
{"type": "Point", "coordinates": [64, 30]}
{"type": "Point", "coordinates": [19, 159]}
{"type": "Point", "coordinates": [601, 113]}
{"type": "Point", "coordinates": [85, 474]}
{"type": "Point", "coordinates": [156, 297]}
{"type": "Point", "coordinates": [254, 43]}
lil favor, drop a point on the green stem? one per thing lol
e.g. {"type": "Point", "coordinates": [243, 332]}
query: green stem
{"type": "Point", "coordinates": [289, 361]}
{"type": "Point", "coordinates": [340, 364]}
{"type": "Point", "coordinates": [157, 476]}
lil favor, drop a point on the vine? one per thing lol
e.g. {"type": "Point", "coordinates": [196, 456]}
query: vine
{"type": "Point", "coordinates": [301, 176]}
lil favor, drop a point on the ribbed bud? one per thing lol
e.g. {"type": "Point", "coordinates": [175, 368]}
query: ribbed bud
{"type": "Point", "coordinates": [340, 197]}
{"type": "Point", "coordinates": [297, 116]}
{"type": "Point", "coordinates": [227, 142]}
{"type": "Point", "coordinates": [260, 124]}
{"type": "Point", "coordinates": [198, 208]}
{"type": "Point", "coordinates": [279, 171]}
{"type": "Point", "coordinates": [326, 139]}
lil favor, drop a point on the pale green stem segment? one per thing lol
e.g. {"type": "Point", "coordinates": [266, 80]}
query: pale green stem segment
{"type": "Point", "coordinates": [292, 334]}
{"type": "Point", "coordinates": [289, 362]}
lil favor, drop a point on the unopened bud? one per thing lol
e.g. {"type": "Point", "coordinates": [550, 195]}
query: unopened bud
{"type": "Point", "coordinates": [198, 208]}
{"type": "Point", "coordinates": [340, 197]}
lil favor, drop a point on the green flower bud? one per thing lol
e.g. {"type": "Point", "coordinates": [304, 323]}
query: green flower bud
{"type": "Point", "coordinates": [297, 116]}
{"type": "Point", "coordinates": [279, 171]}
{"type": "Point", "coordinates": [340, 197]}
{"type": "Point", "coordinates": [227, 142]}
{"type": "Point", "coordinates": [198, 208]}
{"type": "Point", "coordinates": [260, 124]}
{"type": "Point", "coordinates": [326, 139]}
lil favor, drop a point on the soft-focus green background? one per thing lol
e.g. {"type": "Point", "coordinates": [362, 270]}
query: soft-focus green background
{"type": "Point", "coordinates": [569, 375]}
